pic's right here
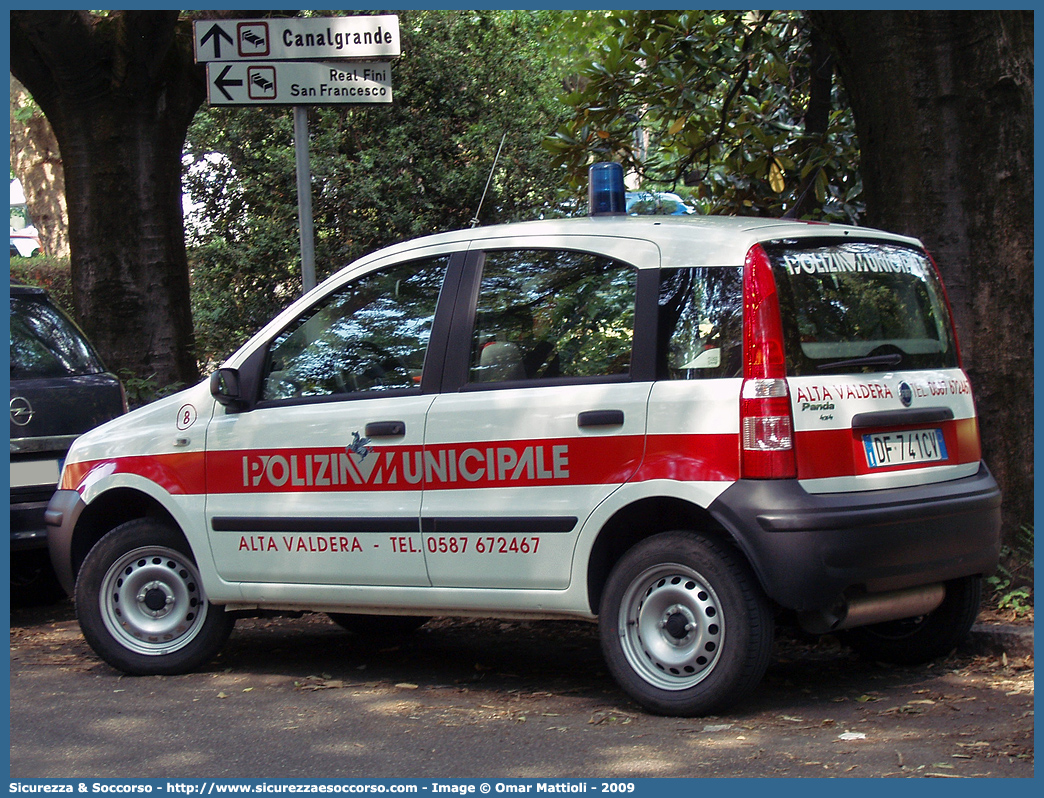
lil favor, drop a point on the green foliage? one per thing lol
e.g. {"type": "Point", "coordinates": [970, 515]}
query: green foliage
{"type": "Point", "coordinates": [713, 100]}
{"type": "Point", "coordinates": [143, 390]}
{"type": "Point", "coordinates": [1012, 585]}
{"type": "Point", "coordinates": [380, 173]}
{"type": "Point", "coordinates": [23, 107]}
{"type": "Point", "coordinates": [46, 272]}
{"type": "Point", "coordinates": [1019, 600]}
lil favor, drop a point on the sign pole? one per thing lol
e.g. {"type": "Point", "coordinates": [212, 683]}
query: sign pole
{"type": "Point", "coordinates": [304, 198]}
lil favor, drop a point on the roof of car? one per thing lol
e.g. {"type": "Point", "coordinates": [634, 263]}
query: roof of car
{"type": "Point", "coordinates": [718, 239]}
{"type": "Point", "coordinates": [643, 241]}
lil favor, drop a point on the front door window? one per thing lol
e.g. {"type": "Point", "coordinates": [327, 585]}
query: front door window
{"type": "Point", "coordinates": [369, 336]}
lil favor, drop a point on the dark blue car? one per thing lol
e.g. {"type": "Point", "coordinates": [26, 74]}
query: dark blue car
{"type": "Point", "coordinates": [59, 389]}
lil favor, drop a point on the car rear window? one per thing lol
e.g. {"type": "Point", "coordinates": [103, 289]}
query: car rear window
{"type": "Point", "coordinates": [44, 344]}
{"type": "Point", "coordinates": [859, 307]}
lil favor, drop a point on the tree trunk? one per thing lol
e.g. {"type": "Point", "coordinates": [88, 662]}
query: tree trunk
{"type": "Point", "coordinates": [120, 91]}
{"type": "Point", "coordinates": [37, 163]}
{"type": "Point", "coordinates": [943, 103]}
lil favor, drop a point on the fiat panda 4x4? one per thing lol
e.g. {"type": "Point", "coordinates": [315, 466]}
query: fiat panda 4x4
{"type": "Point", "coordinates": [686, 428]}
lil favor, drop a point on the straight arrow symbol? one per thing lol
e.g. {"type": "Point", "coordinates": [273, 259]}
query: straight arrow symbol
{"type": "Point", "coordinates": [215, 33]}
{"type": "Point", "coordinates": [220, 82]}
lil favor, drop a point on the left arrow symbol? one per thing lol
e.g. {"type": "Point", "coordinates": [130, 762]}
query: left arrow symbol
{"type": "Point", "coordinates": [220, 82]}
{"type": "Point", "coordinates": [216, 33]}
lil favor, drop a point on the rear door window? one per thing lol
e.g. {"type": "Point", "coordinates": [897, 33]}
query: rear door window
{"type": "Point", "coordinates": [860, 307]}
{"type": "Point", "coordinates": [546, 314]}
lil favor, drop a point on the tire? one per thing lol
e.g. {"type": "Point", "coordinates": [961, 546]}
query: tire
{"type": "Point", "coordinates": [378, 625]}
{"type": "Point", "coordinates": [684, 625]}
{"type": "Point", "coordinates": [141, 605]}
{"type": "Point", "coordinates": [913, 641]}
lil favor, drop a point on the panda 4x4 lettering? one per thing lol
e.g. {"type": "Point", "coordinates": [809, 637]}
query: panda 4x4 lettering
{"type": "Point", "coordinates": [682, 428]}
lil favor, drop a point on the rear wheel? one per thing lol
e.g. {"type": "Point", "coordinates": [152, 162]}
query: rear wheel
{"type": "Point", "coordinates": [685, 628]}
{"type": "Point", "coordinates": [378, 625]}
{"type": "Point", "coordinates": [911, 641]}
{"type": "Point", "coordinates": [141, 605]}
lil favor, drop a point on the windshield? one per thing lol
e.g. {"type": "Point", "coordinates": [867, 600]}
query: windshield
{"type": "Point", "coordinates": [860, 307]}
{"type": "Point", "coordinates": [45, 344]}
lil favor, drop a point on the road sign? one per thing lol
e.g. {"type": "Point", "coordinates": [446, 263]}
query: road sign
{"type": "Point", "coordinates": [296, 39]}
{"type": "Point", "coordinates": [299, 82]}
{"type": "Point", "coordinates": [287, 62]}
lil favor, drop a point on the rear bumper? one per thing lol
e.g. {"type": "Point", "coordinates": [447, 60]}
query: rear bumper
{"type": "Point", "coordinates": [36, 464]}
{"type": "Point", "coordinates": [810, 550]}
{"type": "Point", "coordinates": [28, 530]}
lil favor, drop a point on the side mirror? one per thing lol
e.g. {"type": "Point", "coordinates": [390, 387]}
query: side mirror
{"type": "Point", "coordinates": [224, 387]}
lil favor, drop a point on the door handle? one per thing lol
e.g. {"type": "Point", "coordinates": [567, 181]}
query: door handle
{"type": "Point", "coordinates": [385, 429]}
{"type": "Point", "coordinates": [600, 418]}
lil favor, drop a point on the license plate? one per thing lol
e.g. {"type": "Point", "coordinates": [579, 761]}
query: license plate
{"type": "Point", "coordinates": [34, 473]}
{"type": "Point", "coordinates": [907, 447]}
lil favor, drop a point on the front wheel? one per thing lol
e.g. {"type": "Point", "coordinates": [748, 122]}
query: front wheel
{"type": "Point", "coordinates": [684, 625]}
{"type": "Point", "coordinates": [913, 641]}
{"type": "Point", "coordinates": [141, 605]}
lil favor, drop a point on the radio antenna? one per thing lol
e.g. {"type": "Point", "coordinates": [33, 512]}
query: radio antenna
{"type": "Point", "coordinates": [475, 219]}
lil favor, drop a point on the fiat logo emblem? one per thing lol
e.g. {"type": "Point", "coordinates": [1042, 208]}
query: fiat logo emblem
{"type": "Point", "coordinates": [905, 394]}
{"type": "Point", "coordinates": [21, 411]}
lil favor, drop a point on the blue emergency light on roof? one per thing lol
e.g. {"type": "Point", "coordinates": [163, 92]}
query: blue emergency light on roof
{"type": "Point", "coordinates": [605, 190]}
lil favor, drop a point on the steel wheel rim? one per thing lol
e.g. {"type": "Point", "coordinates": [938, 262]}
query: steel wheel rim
{"type": "Point", "coordinates": [671, 627]}
{"type": "Point", "coordinates": [152, 601]}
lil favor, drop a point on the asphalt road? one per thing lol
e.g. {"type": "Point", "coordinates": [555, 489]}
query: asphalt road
{"type": "Point", "coordinates": [300, 698]}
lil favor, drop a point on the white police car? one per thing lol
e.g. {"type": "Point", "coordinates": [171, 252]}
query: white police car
{"type": "Point", "coordinates": [682, 427]}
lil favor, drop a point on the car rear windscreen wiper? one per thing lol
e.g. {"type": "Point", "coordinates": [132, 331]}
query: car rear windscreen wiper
{"type": "Point", "coordinates": [891, 359]}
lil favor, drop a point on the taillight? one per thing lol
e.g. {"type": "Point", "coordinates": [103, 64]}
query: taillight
{"type": "Point", "coordinates": [766, 420]}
